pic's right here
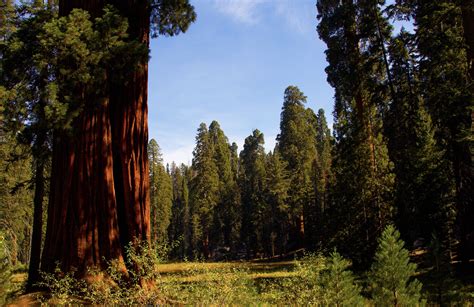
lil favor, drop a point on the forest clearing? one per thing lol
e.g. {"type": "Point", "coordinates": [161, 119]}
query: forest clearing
{"type": "Point", "coordinates": [119, 184]}
{"type": "Point", "coordinates": [247, 283]}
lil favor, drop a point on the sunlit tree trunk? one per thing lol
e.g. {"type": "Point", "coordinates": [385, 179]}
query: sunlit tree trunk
{"type": "Point", "coordinates": [82, 227]}
{"type": "Point", "coordinates": [99, 199]}
{"type": "Point", "coordinates": [129, 119]}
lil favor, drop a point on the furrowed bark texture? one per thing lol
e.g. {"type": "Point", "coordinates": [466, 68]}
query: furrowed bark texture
{"type": "Point", "coordinates": [99, 200]}
{"type": "Point", "coordinates": [129, 117]}
{"type": "Point", "coordinates": [82, 215]}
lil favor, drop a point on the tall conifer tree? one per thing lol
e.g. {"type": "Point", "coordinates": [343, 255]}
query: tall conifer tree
{"type": "Point", "coordinates": [161, 195]}
{"type": "Point", "coordinates": [444, 67]}
{"type": "Point", "coordinates": [110, 142]}
{"type": "Point", "coordinates": [252, 183]}
{"type": "Point", "coordinates": [225, 209]}
{"type": "Point", "coordinates": [277, 219]}
{"type": "Point", "coordinates": [204, 192]}
{"type": "Point", "coordinates": [363, 172]}
{"type": "Point", "coordinates": [27, 78]}
{"type": "Point", "coordinates": [297, 146]}
{"type": "Point", "coordinates": [180, 227]}
{"type": "Point", "coordinates": [323, 179]}
{"type": "Point", "coordinates": [423, 190]}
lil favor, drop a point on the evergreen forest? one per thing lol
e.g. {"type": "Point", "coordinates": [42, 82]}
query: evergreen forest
{"type": "Point", "coordinates": [375, 210]}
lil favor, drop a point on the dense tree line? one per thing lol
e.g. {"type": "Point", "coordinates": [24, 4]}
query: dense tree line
{"type": "Point", "coordinates": [400, 151]}
{"type": "Point", "coordinates": [253, 203]}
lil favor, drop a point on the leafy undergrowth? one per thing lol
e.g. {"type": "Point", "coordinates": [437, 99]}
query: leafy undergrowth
{"type": "Point", "coordinates": [241, 283]}
{"type": "Point", "coordinates": [311, 280]}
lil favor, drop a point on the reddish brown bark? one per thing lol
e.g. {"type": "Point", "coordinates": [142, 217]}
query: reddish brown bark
{"type": "Point", "coordinates": [99, 199]}
{"type": "Point", "coordinates": [82, 228]}
{"type": "Point", "coordinates": [129, 117]}
{"type": "Point", "coordinates": [82, 217]}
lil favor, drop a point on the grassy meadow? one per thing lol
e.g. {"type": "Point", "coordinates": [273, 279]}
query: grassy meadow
{"type": "Point", "coordinates": [259, 282]}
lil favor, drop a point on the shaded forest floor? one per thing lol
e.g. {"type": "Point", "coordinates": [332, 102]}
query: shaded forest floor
{"type": "Point", "coordinates": [256, 282]}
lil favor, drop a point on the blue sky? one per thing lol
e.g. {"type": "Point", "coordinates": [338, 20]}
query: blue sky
{"type": "Point", "coordinates": [233, 66]}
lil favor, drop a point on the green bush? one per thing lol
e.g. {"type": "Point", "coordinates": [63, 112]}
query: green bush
{"type": "Point", "coordinates": [63, 287]}
{"type": "Point", "coordinates": [140, 285]}
{"type": "Point", "coordinates": [317, 281]}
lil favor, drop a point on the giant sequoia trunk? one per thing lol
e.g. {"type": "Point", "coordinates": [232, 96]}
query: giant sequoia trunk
{"type": "Point", "coordinates": [99, 200]}
{"type": "Point", "coordinates": [130, 134]}
{"type": "Point", "coordinates": [82, 215]}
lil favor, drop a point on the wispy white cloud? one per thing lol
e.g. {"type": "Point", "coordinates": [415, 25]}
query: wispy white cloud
{"type": "Point", "coordinates": [299, 15]}
{"type": "Point", "coordinates": [245, 11]}
{"type": "Point", "coordinates": [180, 154]}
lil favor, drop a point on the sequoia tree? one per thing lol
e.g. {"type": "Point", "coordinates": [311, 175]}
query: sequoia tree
{"type": "Point", "coordinates": [362, 170]}
{"type": "Point", "coordinates": [252, 185]}
{"type": "Point", "coordinates": [204, 192]}
{"type": "Point", "coordinates": [297, 146]}
{"type": "Point", "coordinates": [423, 190]}
{"type": "Point", "coordinates": [99, 198]}
{"type": "Point", "coordinates": [445, 50]}
{"type": "Point", "coordinates": [225, 214]}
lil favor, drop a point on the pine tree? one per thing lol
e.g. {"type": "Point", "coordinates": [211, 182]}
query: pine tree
{"type": "Point", "coordinates": [423, 190]}
{"type": "Point", "coordinates": [225, 211]}
{"type": "Point", "coordinates": [363, 190]}
{"type": "Point", "coordinates": [204, 192]}
{"type": "Point", "coordinates": [277, 183]}
{"type": "Point", "coordinates": [444, 67]}
{"type": "Point", "coordinates": [323, 180]}
{"type": "Point", "coordinates": [161, 195]}
{"type": "Point", "coordinates": [338, 283]}
{"type": "Point", "coordinates": [297, 146]}
{"type": "Point", "coordinates": [252, 186]}
{"type": "Point", "coordinates": [27, 79]}
{"type": "Point", "coordinates": [180, 227]}
{"type": "Point", "coordinates": [391, 273]}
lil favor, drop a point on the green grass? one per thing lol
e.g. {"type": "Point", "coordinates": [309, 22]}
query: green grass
{"type": "Point", "coordinates": [198, 271]}
{"type": "Point", "coordinates": [242, 283]}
